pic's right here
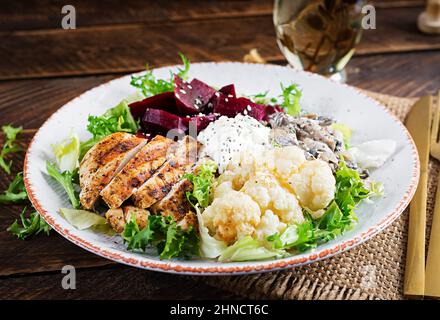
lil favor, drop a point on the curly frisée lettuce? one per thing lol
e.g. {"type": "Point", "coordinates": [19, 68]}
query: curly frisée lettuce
{"type": "Point", "coordinates": [30, 226]}
{"type": "Point", "coordinates": [150, 86]}
{"type": "Point", "coordinates": [116, 119]}
{"type": "Point", "coordinates": [202, 183]}
{"type": "Point", "coordinates": [170, 240]}
{"type": "Point", "coordinates": [338, 217]}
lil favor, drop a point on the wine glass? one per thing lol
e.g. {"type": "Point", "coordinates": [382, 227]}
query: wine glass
{"type": "Point", "coordinates": [319, 35]}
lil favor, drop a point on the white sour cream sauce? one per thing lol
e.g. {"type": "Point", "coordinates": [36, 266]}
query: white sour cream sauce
{"type": "Point", "coordinates": [225, 138]}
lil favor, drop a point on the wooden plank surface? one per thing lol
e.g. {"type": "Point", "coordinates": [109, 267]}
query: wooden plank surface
{"type": "Point", "coordinates": [115, 282]}
{"type": "Point", "coordinates": [395, 74]}
{"type": "Point", "coordinates": [126, 48]}
{"type": "Point", "coordinates": [46, 14]}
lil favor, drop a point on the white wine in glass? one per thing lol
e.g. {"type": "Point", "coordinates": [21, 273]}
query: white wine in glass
{"type": "Point", "coordinates": [319, 35]}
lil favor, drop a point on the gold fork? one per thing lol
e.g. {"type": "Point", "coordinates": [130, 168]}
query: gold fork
{"type": "Point", "coordinates": [432, 274]}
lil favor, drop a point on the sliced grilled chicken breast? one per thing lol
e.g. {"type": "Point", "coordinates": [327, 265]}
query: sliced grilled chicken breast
{"type": "Point", "coordinates": [190, 220]}
{"type": "Point", "coordinates": [103, 161]}
{"type": "Point", "coordinates": [119, 217]}
{"type": "Point", "coordinates": [175, 204]}
{"type": "Point", "coordinates": [180, 160]}
{"type": "Point", "coordinates": [138, 170]}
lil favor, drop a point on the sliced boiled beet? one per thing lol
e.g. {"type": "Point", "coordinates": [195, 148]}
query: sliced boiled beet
{"type": "Point", "coordinates": [230, 107]}
{"type": "Point", "coordinates": [229, 91]}
{"type": "Point", "coordinates": [191, 98]}
{"type": "Point", "coordinates": [160, 121]}
{"type": "Point", "coordinates": [162, 101]}
{"type": "Point", "coordinates": [201, 122]}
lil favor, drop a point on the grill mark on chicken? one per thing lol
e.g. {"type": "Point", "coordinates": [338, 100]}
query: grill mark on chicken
{"type": "Point", "coordinates": [175, 204]}
{"type": "Point", "coordinates": [103, 161]}
{"type": "Point", "coordinates": [181, 159]}
{"type": "Point", "coordinates": [138, 170]}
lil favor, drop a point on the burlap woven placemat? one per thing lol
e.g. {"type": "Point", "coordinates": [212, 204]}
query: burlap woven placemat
{"type": "Point", "coordinates": [373, 270]}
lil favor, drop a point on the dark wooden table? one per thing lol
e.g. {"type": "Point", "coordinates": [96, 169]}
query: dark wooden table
{"type": "Point", "coordinates": [42, 67]}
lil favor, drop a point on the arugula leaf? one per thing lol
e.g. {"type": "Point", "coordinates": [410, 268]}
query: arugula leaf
{"type": "Point", "coordinates": [65, 179]}
{"type": "Point", "coordinates": [202, 181]}
{"type": "Point", "coordinates": [151, 86]}
{"type": "Point", "coordinates": [162, 232]}
{"type": "Point", "coordinates": [9, 146]}
{"type": "Point", "coordinates": [290, 99]}
{"type": "Point", "coordinates": [16, 191]}
{"type": "Point", "coordinates": [33, 225]}
{"type": "Point", "coordinates": [116, 119]}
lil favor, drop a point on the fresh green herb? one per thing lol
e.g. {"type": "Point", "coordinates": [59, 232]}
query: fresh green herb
{"type": "Point", "coordinates": [16, 191]}
{"type": "Point", "coordinates": [33, 225]}
{"type": "Point", "coordinates": [202, 181]}
{"type": "Point", "coordinates": [290, 99]}
{"type": "Point", "coordinates": [151, 86]}
{"type": "Point", "coordinates": [9, 146]}
{"type": "Point", "coordinates": [116, 119]}
{"type": "Point", "coordinates": [262, 98]}
{"type": "Point", "coordinates": [162, 232]}
{"type": "Point", "coordinates": [338, 217]}
{"type": "Point", "coordinates": [66, 180]}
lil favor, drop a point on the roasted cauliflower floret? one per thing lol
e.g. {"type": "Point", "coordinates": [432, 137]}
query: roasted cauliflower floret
{"type": "Point", "coordinates": [265, 189]}
{"type": "Point", "coordinates": [223, 188]}
{"type": "Point", "coordinates": [284, 161]}
{"type": "Point", "coordinates": [232, 216]}
{"type": "Point", "coordinates": [314, 185]}
{"type": "Point", "coordinates": [269, 225]}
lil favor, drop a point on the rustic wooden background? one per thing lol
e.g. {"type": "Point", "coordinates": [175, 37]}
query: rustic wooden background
{"type": "Point", "coordinates": [43, 66]}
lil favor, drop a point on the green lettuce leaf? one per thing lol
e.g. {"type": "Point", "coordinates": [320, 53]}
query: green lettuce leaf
{"type": "Point", "coordinates": [9, 146]}
{"type": "Point", "coordinates": [202, 183]}
{"type": "Point", "coordinates": [66, 180]}
{"type": "Point", "coordinates": [209, 246]}
{"type": "Point", "coordinates": [291, 96]}
{"type": "Point", "coordinates": [150, 86]}
{"type": "Point", "coordinates": [67, 152]}
{"type": "Point", "coordinates": [16, 191]}
{"type": "Point", "coordinates": [30, 226]}
{"type": "Point", "coordinates": [82, 219]}
{"type": "Point", "coordinates": [116, 119]}
{"type": "Point", "coordinates": [163, 233]}
{"type": "Point", "coordinates": [247, 249]}
{"type": "Point", "coordinates": [345, 130]}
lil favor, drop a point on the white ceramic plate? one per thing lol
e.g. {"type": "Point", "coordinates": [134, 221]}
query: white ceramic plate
{"type": "Point", "coordinates": [369, 120]}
